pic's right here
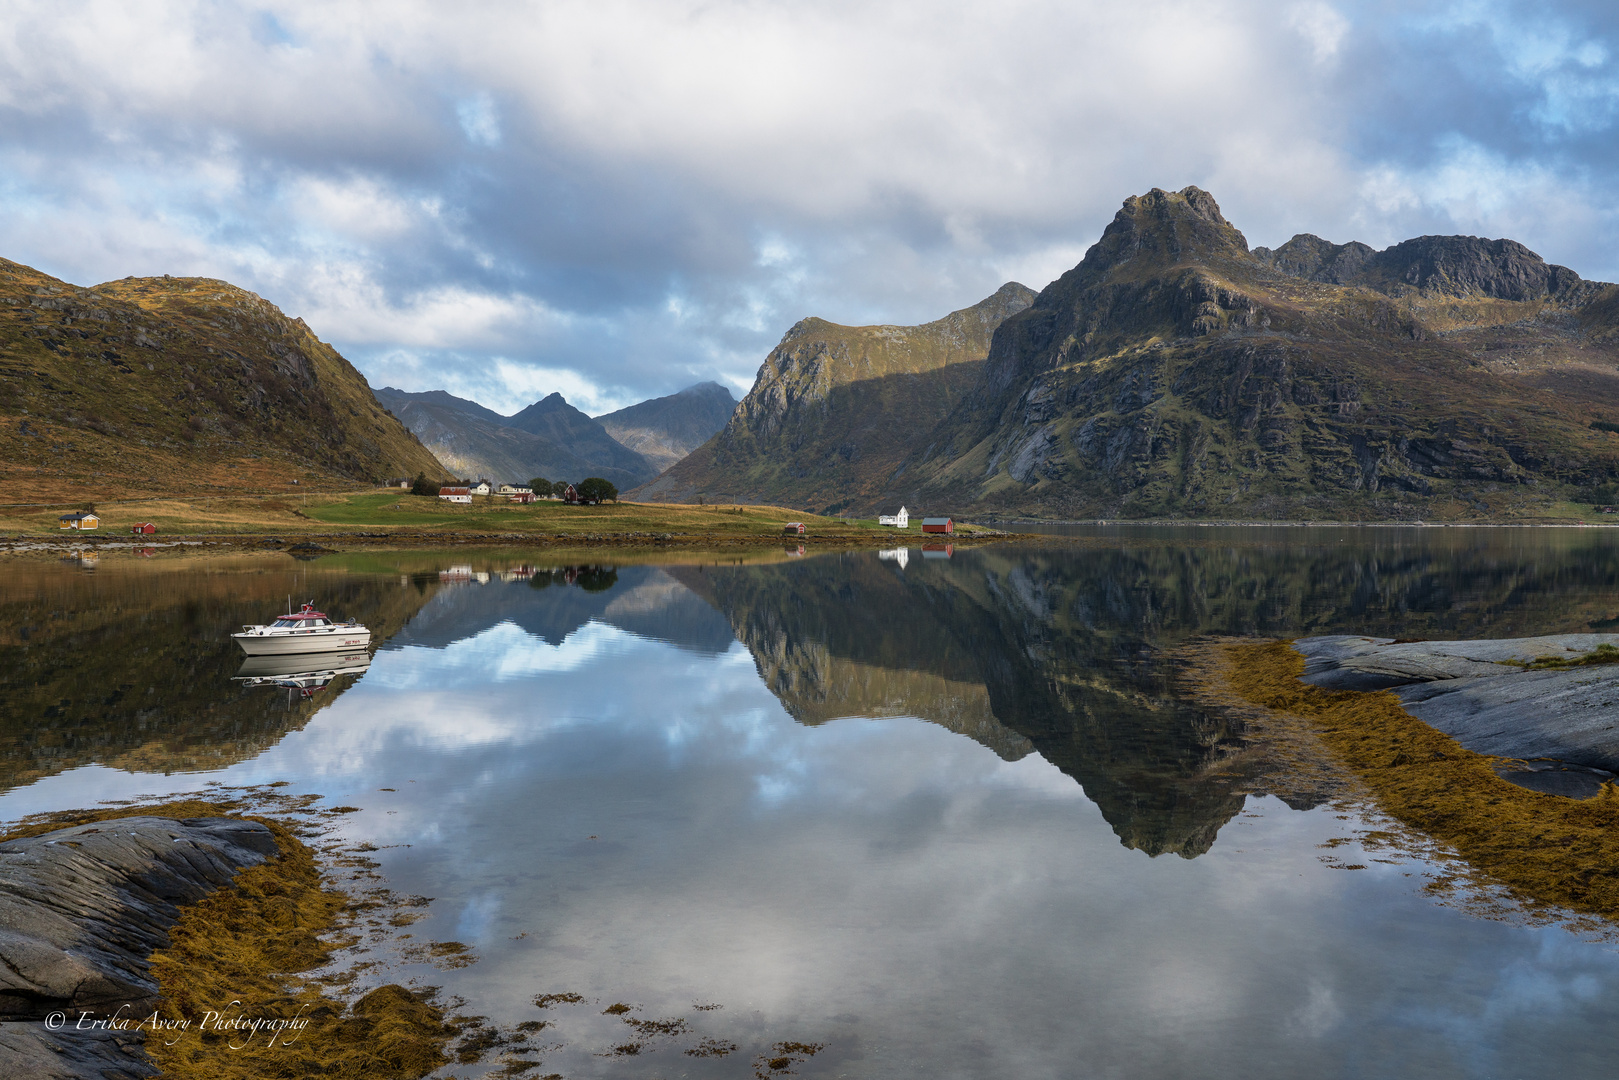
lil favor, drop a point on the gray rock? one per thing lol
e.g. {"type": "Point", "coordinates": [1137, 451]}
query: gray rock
{"type": "Point", "coordinates": [81, 909]}
{"type": "Point", "coordinates": [1472, 692]}
{"type": "Point", "coordinates": [28, 1049]}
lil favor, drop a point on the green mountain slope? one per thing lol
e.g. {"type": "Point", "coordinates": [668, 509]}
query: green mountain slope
{"type": "Point", "coordinates": [836, 409]}
{"type": "Point", "coordinates": [179, 384]}
{"type": "Point", "coordinates": [1176, 373]}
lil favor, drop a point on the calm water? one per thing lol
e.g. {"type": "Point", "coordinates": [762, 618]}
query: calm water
{"type": "Point", "coordinates": [946, 816]}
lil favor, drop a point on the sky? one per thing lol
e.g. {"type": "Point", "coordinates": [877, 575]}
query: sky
{"type": "Point", "coordinates": [616, 199]}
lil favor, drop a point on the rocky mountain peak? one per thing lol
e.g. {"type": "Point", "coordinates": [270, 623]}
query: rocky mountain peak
{"type": "Point", "coordinates": [1469, 266]}
{"type": "Point", "coordinates": [1308, 256]}
{"type": "Point", "coordinates": [1157, 230]}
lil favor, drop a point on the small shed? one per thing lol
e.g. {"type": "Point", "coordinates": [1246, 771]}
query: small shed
{"type": "Point", "coordinates": [456, 495]}
{"type": "Point", "coordinates": [83, 519]}
{"type": "Point", "coordinates": [145, 528]}
{"type": "Point", "coordinates": [793, 528]}
{"type": "Point", "coordinates": [938, 525]}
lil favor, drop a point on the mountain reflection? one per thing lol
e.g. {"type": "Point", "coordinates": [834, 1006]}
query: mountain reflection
{"type": "Point", "coordinates": [1060, 650]}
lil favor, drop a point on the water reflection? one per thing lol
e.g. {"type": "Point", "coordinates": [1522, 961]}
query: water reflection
{"type": "Point", "coordinates": [668, 784]}
{"type": "Point", "coordinates": [304, 673]}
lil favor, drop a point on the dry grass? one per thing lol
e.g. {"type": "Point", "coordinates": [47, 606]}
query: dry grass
{"type": "Point", "coordinates": [1548, 849]}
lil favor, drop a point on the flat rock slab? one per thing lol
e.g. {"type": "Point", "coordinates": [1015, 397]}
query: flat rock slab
{"type": "Point", "coordinates": [1475, 693]}
{"type": "Point", "coordinates": [81, 909]}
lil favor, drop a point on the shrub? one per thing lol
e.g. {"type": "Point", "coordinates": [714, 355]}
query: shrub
{"type": "Point", "coordinates": [424, 486]}
{"type": "Point", "coordinates": [595, 489]}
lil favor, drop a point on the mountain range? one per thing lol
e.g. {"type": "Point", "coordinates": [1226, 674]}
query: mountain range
{"type": "Point", "coordinates": [1176, 373]}
{"type": "Point", "coordinates": [155, 385]}
{"type": "Point", "coordinates": [553, 439]}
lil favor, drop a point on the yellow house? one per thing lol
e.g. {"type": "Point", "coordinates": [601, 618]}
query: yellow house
{"type": "Point", "coordinates": [81, 520]}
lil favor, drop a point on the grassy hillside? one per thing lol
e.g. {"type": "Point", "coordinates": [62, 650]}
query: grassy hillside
{"type": "Point", "coordinates": [164, 385]}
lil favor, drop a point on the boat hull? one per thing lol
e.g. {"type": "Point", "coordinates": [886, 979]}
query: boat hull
{"type": "Point", "coordinates": [340, 640]}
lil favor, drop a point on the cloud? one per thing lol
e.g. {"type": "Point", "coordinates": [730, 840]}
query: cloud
{"type": "Point", "coordinates": [619, 198]}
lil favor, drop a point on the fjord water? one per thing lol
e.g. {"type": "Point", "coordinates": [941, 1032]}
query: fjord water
{"type": "Point", "coordinates": [945, 814]}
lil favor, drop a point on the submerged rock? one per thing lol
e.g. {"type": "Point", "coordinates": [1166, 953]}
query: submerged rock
{"type": "Point", "coordinates": [81, 910]}
{"type": "Point", "coordinates": [1484, 695]}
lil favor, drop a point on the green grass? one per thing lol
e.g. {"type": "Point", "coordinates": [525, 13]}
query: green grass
{"type": "Point", "coordinates": [394, 509]}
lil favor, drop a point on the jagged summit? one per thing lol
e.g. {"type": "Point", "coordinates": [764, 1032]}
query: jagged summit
{"type": "Point", "coordinates": [1464, 267]}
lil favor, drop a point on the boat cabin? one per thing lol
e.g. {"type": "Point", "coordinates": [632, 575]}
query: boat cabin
{"type": "Point", "coordinates": [306, 618]}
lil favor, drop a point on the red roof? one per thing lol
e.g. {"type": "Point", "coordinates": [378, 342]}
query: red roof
{"type": "Point", "coordinates": [454, 491]}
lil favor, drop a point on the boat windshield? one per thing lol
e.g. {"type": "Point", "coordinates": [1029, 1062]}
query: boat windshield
{"type": "Point", "coordinates": [287, 621]}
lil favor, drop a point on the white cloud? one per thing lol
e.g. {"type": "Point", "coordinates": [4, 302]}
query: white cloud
{"type": "Point", "coordinates": [622, 197]}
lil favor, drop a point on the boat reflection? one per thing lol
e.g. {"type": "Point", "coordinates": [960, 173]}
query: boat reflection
{"type": "Point", "coordinates": [307, 674]}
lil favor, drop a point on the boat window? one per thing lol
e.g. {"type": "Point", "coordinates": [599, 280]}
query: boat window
{"type": "Point", "coordinates": [286, 622]}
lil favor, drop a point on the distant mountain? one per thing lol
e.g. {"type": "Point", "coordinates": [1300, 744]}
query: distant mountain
{"type": "Point", "coordinates": [549, 438]}
{"type": "Point", "coordinates": [176, 384]}
{"type": "Point", "coordinates": [664, 430]}
{"type": "Point", "coordinates": [836, 409]}
{"type": "Point", "coordinates": [1176, 373]}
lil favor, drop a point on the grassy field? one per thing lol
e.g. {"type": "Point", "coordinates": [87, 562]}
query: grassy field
{"type": "Point", "coordinates": [392, 511]}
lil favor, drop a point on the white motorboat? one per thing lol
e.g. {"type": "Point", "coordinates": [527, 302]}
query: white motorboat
{"type": "Point", "coordinates": [306, 631]}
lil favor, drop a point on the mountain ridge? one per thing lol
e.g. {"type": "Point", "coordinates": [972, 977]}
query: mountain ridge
{"type": "Point", "coordinates": [1174, 373]}
{"type": "Point", "coordinates": [549, 438]}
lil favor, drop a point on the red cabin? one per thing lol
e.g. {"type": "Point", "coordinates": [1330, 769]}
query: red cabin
{"type": "Point", "coordinates": [794, 528]}
{"type": "Point", "coordinates": [145, 528]}
{"type": "Point", "coordinates": [938, 525]}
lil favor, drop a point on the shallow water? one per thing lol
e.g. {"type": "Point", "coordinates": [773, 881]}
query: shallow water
{"type": "Point", "coordinates": [945, 816]}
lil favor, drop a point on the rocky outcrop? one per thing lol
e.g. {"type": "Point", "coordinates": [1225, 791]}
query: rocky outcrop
{"type": "Point", "coordinates": [81, 909]}
{"type": "Point", "coordinates": [1524, 698]}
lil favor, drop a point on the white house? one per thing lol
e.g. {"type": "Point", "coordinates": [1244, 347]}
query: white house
{"type": "Point", "coordinates": [514, 489]}
{"type": "Point", "coordinates": [456, 494]}
{"type": "Point", "coordinates": [482, 487]}
{"type": "Point", "coordinates": [901, 520]}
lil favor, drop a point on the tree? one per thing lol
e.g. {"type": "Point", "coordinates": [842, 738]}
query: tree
{"type": "Point", "coordinates": [423, 486]}
{"type": "Point", "coordinates": [539, 485]}
{"type": "Point", "coordinates": [559, 488]}
{"type": "Point", "coordinates": [595, 489]}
